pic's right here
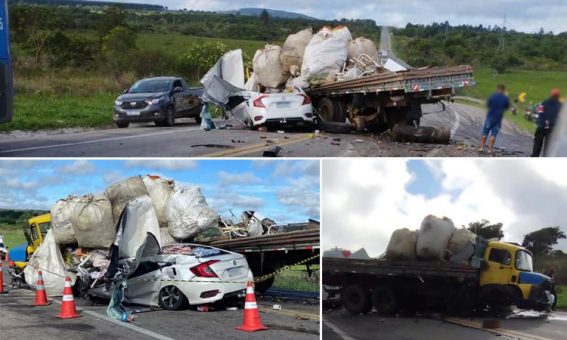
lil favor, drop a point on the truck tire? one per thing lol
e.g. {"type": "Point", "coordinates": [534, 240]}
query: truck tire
{"type": "Point", "coordinates": [334, 127]}
{"type": "Point", "coordinates": [262, 287]}
{"type": "Point", "coordinates": [385, 301]}
{"type": "Point", "coordinates": [170, 116]}
{"type": "Point", "coordinates": [356, 299]}
{"type": "Point", "coordinates": [122, 124]}
{"type": "Point", "coordinates": [331, 110]}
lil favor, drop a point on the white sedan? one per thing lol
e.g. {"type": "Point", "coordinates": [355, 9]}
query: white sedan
{"type": "Point", "coordinates": [183, 274]}
{"type": "Point", "coordinates": [275, 109]}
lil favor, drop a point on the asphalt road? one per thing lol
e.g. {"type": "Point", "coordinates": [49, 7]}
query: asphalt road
{"type": "Point", "coordinates": [340, 324]}
{"type": "Point", "coordinates": [187, 140]}
{"type": "Point", "coordinates": [19, 320]}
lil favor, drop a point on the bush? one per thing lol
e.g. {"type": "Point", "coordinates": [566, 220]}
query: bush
{"type": "Point", "coordinates": [75, 51]}
{"type": "Point", "coordinates": [154, 63]}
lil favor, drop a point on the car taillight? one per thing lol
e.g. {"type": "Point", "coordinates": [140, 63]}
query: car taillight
{"type": "Point", "coordinates": [306, 100]}
{"type": "Point", "coordinates": [204, 269]}
{"type": "Point", "coordinates": [257, 118]}
{"type": "Point", "coordinates": [258, 101]}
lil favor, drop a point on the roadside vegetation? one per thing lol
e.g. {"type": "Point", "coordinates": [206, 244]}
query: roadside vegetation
{"type": "Point", "coordinates": [296, 278]}
{"type": "Point", "coordinates": [71, 62]}
{"type": "Point", "coordinates": [11, 223]}
{"type": "Point", "coordinates": [562, 297]}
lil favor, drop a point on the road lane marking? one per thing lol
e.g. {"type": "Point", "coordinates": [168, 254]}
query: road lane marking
{"type": "Point", "coordinates": [94, 141]}
{"type": "Point", "coordinates": [497, 331]}
{"type": "Point", "coordinates": [256, 147]}
{"type": "Point", "coordinates": [337, 330]}
{"type": "Point", "coordinates": [290, 312]}
{"type": "Point", "coordinates": [122, 324]}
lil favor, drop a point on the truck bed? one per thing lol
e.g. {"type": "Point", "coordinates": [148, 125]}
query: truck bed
{"type": "Point", "coordinates": [411, 81]}
{"type": "Point", "coordinates": [375, 267]}
{"type": "Point", "coordinates": [294, 240]}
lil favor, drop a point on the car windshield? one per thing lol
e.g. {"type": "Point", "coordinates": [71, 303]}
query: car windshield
{"type": "Point", "coordinates": [524, 261]}
{"type": "Point", "coordinates": [150, 86]}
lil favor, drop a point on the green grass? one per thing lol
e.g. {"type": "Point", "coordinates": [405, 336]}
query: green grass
{"type": "Point", "coordinates": [562, 297]}
{"type": "Point", "coordinates": [13, 235]}
{"type": "Point", "coordinates": [296, 278]}
{"type": "Point", "coordinates": [34, 112]}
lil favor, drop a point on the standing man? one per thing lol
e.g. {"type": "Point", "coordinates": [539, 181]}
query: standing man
{"type": "Point", "coordinates": [497, 104]}
{"type": "Point", "coordinates": [545, 122]}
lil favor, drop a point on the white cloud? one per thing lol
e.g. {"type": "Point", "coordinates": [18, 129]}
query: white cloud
{"type": "Point", "coordinates": [78, 167]}
{"type": "Point", "coordinates": [365, 200]}
{"type": "Point", "coordinates": [162, 164]}
{"type": "Point", "coordinates": [227, 178]}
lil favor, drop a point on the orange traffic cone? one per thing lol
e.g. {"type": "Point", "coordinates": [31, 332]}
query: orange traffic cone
{"type": "Point", "coordinates": [68, 309]}
{"type": "Point", "coordinates": [7, 257]}
{"type": "Point", "coordinates": [40, 295]}
{"type": "Point", "coordinates": [2, 280]}
{"type": "Point", "coordinates": [252, 322]}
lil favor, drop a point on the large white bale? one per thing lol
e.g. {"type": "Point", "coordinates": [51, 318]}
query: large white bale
{"type": "Point", "coordinates": [141, 220]}
{"type": "Point", "coordinates": [325, 55]}
{"type": "Point", "coordinates": [123, 192]}
{"type": "Point", "coordinates": [267, 67]}
{"type": "Point", "coordinates": [159, 190]}
{"type": "Point", "coordinates": [291, 56]}
{"type": "Point", "coordinates": [360, 46]}
{"type": "Point", "coordinates": [48, 259]}
{"type": "Point", "coordinates": [188, 212]}
{"type": "Point", "coordinates": [460, 239]}
{"type": "Point", "coordinates": [61, 220]}
{"type": "Point", "coordinates": [92, 222]}
{"type": "Point", "coordinates": [166, 239]}
{"type": "Point", "coordinates": [433, 237]}
{"type": "Point", "coordinates": [402, 245]}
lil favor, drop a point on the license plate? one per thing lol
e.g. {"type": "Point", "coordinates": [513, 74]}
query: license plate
{"type": "Point", "coordinates": [282, 105]}
{"type": "Point", "coordinates": [234, 272]}
{"type": "Point", "coordinates": [132, 113]}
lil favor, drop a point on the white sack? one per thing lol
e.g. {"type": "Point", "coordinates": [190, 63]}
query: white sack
{"type": "Point", "coordinates": [291, 56]}
{"type": "Point", "coordinates": [360, 46]}
{"type": "Point", "coordinates": [166, 239]}
{"type": "Point", "coordinates": [123, 192]}
{"type": "Point", "coordinates": [141, 219]}
{"type": "Point", "coordinates": [460, 238]}
{"type": "Point", "coordinates": [92, 222]}
{"type": "Point", "coordinates": [297, 82]}
{"type": "Point", "coordinates": [252, 84]}
{"type": "Point", "coordinates": [325, 55]}
{"type": "Point", "coordinates": [402, 245]}
{"type": "Point", "coordinates": [49, 260]}
{"type": "Point", "coordinates": [433, 237]}
{"type": "Point", "coordinates": [188, 212]}
{"type": "Point", "coordinates": [61, 220]}
{"type": "Point", "coordinates": [159, 190]}
{"type": "Point", "coordinates": [267, 67]}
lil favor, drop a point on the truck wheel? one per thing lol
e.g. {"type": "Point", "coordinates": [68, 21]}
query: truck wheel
{"type": "Point", "coordinates": [171, 298]}
{"type": "Point", "coordinates": [263, 286]}
{"type": "Point", "coordinates": [385, 301]}
{"type": "Point", "coordinates": [331, 110]}
{"type": "Point", "coordinates": [170, 116]}
{"type": "Point", "coordinates": [334, 127]}
{"type": "Point", "coordinates": [122, 124]}
{"type": "Point", "coordinates": [356, 299]}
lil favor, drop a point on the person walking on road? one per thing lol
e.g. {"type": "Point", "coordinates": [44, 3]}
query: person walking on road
{"type": "Point", "coordinates": [496, 104]}
{"type": "Point", "coordinates": [546, 122]}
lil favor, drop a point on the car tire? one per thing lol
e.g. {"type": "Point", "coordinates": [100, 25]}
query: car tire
{"type": "Point", "coordinates": [356, 299]}
{"type": "Point", "coordinates": [158, 122]}
{"type": "Point", "coordinates": [170, 116]}
{"type": "Point", "coordinates": [171, 298]}
{"type": "Point", "coordinates": [198, 120]}
{"type": "Point", "coordinates": [334, 127]}
{"type": "Point", "coordinates": [122, 124]}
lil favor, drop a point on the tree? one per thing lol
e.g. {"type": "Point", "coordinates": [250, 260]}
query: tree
{"type": "Point", "coordinates": [201, 57]}
{"type": "Point", "coordinates": [111, 18]}
{"type": "Point", "coordinates": [265, 17]}
{"type": "Point", "coordinates": [541, 242]}
{"type": "Point", "coordinates": [485, 229]}
{"type": "Point", "coordinates": [117, 48]}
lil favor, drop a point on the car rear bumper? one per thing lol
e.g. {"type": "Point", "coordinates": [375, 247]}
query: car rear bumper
{"type": "Point", "coordinates": [198, 292]}
{"type": "Point", "coordinates": [302, 116]}
{"type": "Point", "coordinates": [148, 114]}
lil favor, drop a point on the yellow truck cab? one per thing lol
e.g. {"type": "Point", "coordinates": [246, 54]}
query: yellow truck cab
{"type": "Point", "coordinates": [506, 275]}
{"type": "Point", "coordinates": [35, 231]}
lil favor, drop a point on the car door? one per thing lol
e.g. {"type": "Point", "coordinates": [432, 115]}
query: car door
{"type": "Point", "coordinates": [179, 97]}
{"type": "Point", "coordinates": [192, 99]}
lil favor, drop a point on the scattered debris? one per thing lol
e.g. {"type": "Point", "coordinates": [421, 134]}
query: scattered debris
{"type": "Point", "coordinates": [272, 152]}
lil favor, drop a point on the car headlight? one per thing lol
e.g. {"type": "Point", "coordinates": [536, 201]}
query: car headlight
{"type": "Point", "coordinates": [153, 101]}
{"type": "Point", "coordinates": [117, 102]}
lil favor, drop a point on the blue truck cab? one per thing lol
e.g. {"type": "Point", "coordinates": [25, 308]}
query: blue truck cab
{"type": "Point", "coordinates": [6, 86]}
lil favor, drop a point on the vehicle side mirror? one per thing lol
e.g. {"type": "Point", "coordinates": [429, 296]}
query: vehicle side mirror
{"type": "Point", "coordinates": [177, 89]}
{"type": "Point", "coordinates": [125, 91]}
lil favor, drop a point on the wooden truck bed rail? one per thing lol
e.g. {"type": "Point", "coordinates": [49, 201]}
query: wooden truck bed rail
{"type": "Point", "coordinates": [419, 80]}
{"type": "Point", "coordinates": [294, 240]}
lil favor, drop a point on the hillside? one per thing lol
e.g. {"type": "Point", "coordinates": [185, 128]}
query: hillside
{"type": "Point", "coordinates": [275, 13]}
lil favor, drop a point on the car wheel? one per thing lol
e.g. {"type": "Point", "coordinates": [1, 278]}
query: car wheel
{"type": "Point", "coordinates": [122, 124]}
{"type": "Point", "coordinates": [198, 120]}
{"type": "Point", "coordinates": [158, 122]}
{"type": "Point", "coordinates": [170, 116]}
{"type": "Point", "coordinates": [171, 298]}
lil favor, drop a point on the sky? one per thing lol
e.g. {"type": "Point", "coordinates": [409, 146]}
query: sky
{"type": "Point", "coordinates": [286, 191]}
{"type": "Point", "coordinates": [521, 15]}
{"type": "Point", "coordinates": [365, 200]}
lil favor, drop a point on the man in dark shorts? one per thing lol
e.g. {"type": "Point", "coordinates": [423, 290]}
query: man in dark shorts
{"type": "Point", "coordinates": [497, 104]}
{"type": "Point", "coordinates": [546, 122]}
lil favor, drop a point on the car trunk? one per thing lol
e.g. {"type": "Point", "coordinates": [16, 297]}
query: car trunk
{"type": "Point", "coordinates": [282, 103]}
{"type": "Point", "coordinates": [229, 268]}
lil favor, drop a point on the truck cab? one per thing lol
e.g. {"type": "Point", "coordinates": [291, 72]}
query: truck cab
{"type": "Point", "coordinates": [35, 232]}
{"type": "Point", "coordinates": [507, 276]}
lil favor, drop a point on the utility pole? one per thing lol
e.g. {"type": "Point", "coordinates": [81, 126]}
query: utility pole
{"type": "Point", "coordinates": [502, 39]}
